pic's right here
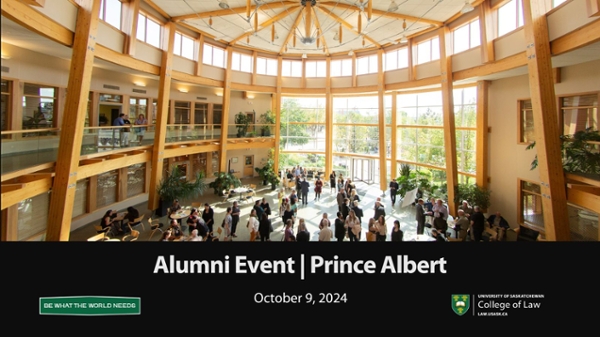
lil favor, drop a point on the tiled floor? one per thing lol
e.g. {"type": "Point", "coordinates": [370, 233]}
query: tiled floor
{"type": "Point", "coordinates": [312, 213]}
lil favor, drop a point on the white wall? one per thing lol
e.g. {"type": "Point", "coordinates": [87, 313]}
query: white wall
{"type": "Point", "coordinates": [508, 160]}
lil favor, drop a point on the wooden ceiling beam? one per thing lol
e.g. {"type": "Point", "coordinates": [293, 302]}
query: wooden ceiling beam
{"type": "Point", "coordinates": [266, 24]}
{"type": "Point", "coordinates": [232, 11]}
{"type": "Point", "coordinates": [291, 33]}
{"type": "Point", "coordinates": [382, 13]}
{"type": "Point", "coordinates": [318, 24]}
{"type": "Point", "coordinates": [349, 26]}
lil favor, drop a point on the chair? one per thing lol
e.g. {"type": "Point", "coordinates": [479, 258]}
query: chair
{"type": "Point", "coordinates": [101, 230]}
{"type": "Point", "coordinates": [133, 236]}
{"type": "Point", "coordinates": [526, 234]}
{"type": "Point", "coordinates": [252, 186]}
{"type": "Point", "coordinates": [154, 227]}
{"type": "Point", "coordinates": [137, 221]}
{"type": "Point", "coordinates": [250, 196]}
{"type": "Point", "coordinates": [225, 195]}
{"type": "Point", "coordinates": [196, 205]}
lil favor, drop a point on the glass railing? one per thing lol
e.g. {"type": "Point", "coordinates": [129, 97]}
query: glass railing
{"type": "Point", "coordinates": [26, 148]}
{"type": "Point", "coordinates": [192, 132]}
{"type": "Point", "coordinates": [98, 139]}
{"type": "Point", "coordinates": [250, 131]}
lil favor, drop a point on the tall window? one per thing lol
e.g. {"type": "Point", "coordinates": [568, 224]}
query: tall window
{"type": "Point", "coordinates": [5, 106]}
{"type": "Point", "coordinates": [465, 112]}
{"type": "Point", "coordinates": [396, 59]}
{"type": "Point", "coordinates": [556, 3]}
{"type": "Point", "coordinates": [291, 68]}
{"type": "Point", "coordinates": [303, 124]}
{"type": "Point", "coordinates": [149, 30]}
{"type": "Point", "coordinates": [316, 68]}
{"type": "Point", "coordinates": [579, 112]}
{"type": "Point", "coordinates": [510, 17]}
{"type": "Point", "coordinates": [137, 106]}
{"type": "Point", "coordinates": [241, 62]}
{"type": "Point", "coordinates": [526, 131]}
{"type": "Point", "coordinates": [200, 113]}
{"type": "Point", "coordinates": [467, 37]}
{"type": "Point", "coordinates": [213, 56]}
{"type": "Point", "coordinates": [183, 46]}
{"type": "Point", "coordinates": [182, 112]}
{"type": "Point", "coordinates": [110, 12]}
{"type": "Point", "coordinates": [265, 66]}
{"type": "Point", "coordinates": [39, 104]}
{"type": "Point", "coordinates": [366, 65]}
{"type": "Point", "coordinates": [428, 51]}
{"type": "Point", "coordinates": [531, 212]}
{"type": "Point", "coordinates": [355, 125]}
{"type": "Point", "coordinates": [341, 68]}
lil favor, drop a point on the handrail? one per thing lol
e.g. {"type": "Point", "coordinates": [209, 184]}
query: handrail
{"type": "Point", "coordinates": [14, 132]}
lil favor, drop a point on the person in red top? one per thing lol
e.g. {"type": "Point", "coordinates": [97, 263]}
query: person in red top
{"type": "Point", "coordinates": [318, 188]}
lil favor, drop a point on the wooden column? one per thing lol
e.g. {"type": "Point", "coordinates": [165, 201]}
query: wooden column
{"type": "Point", "coordinates": [354, 76]}
{"type": "Point", "coordinates": [92, 191]}
{"type": "Point", "coordinates": [198, 63]}
{"type": "Point", "coordinates": [226, 107]}
{"type": "Point", "coordinates": [412, 71]}
{"type": "Point", "coordinates": [59, 112]}
{"type": "Point", "coordinates": [328, 120]}
{"type": "Point", "coordinates": [486, 28]}
{"type": "Point", "coordinates": [130, 23]}
{"type": "Point", "coordinates": [449, 124]}
{"type": "Point", "coordinates": [547, 132]}
{"type": "Point", "coordinates": [277, 111]}
{"type": "Point", "coordinates": [482, 134]}
{"type": "Point", "coordinates": [254, 65]}
{"type": "Point", "coordinates": [394, 163]}
{"type": "Point", "coordinates": [69, 147]}
{"type": "Point", "coordinates": [95, 110]}
{"type": "Point", "coordinates": [383, 181]}
{"type": "Point", "coordinates": [593, 8]}
{"type": "Point", "coordinates": [16, 117]}
{"type": "Point", "coordinates": [162, 105]}
{"type": "Point", "coordinates": [10, 230]}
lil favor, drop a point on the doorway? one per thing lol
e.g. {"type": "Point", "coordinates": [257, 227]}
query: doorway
{"type": "Point", "coordinates": [248, 166]}
{"type": "Point", "coordinates": [363, 170]}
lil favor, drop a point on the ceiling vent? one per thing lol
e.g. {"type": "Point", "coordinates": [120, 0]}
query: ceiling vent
{"type": "Point", "coordinates": [113, 87]}
{"type": "Point", "coordinates": [201, 98]}
{"type": "Point", "coordinates": [139, 91]}
{"type": "Point", "coordinates": [5, 69]}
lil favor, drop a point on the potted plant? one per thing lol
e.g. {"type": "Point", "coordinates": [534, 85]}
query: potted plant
{"type": "Point", "coordinates": [474, 194]}
{"type": "Point", "coordinates": [409, 180]}
{"type": "Point", "coordinates": [267, 173]}
{"type": "Point", "coordinates": [173, 185]}
{"type": "Point", "coordinates": [241, 123]}
{"type": "Point", "coordinates": [224, 181]}
{"type": "Point", "coordinates": [267, 119]}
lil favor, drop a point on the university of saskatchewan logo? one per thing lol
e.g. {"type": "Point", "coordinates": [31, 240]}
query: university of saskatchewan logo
{"type": "Point", "coordinates": [461, 304]}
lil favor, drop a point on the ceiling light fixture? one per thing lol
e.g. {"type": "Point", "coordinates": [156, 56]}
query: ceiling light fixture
{"type": "Point", "coordinates": [403, 39]}
{"type": "Point", "coordinates": [139, 84]}
{"type": "Point", "coordinates": [336, 37]}
{"type": "Point", "coordinates": [308, 40]}
{"type": "Point", "coordinates": [467, 8]}
{"type": "Point", "coordinates": [183, 90]}
{"type": "Point", "coordinates": [304, 56]}
{"type": "Point", "coordinates": [393, 7]}
{"type": "Point", "coordinates": [350, 53]}
{"type": "Point", "coordinates": [223, 4]}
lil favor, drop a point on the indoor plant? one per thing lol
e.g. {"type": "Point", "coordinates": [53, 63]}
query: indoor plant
{"type": "Point", "coordinates": [267, 119]}
{"type": "Point", "coordinates": [224, 181]}
{"type": "Point", "coordinates": [173, 185]}
{"type": "Point", "coordinates": [241, 123]}
{"type": "Point", "coordinates": [267, 174]}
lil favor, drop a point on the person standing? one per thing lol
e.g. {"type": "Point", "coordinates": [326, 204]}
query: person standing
{"type": "Point", "coordinates": [397, 233]}
{"type": "Point", "coordinates": [304, 186]}
{"type": "Point", "coordinates": [381, 228]}
{"type": "Point", "coordinates": [477, 224]}
{"type": "Point", "coordinates": [440, 217]}
{"type": "Point", "coordinates": [393, 190]}
{"type": "Point", "coordinates": [318, 188]}
{"type": "Point", "coordinates": [332, 182]}
{"type": "Point", "coordinates": [264, 228]}
{"type": "Point", "coordinates": [253, 225]}
{"type": "Point", "coordinates": [118, 122]}
{"type": "Point", "coordinates": [340, 230]}
{"type": "Point", "coordinates": [461, 225]}
{"type": "Point", "coordinates": [235, 218]}
{"type": "Point", "coordinates": [208, 215]}
{"type": "Point", "coordinates": [125, 131]}
{"type": "Point", "coordinates": [141, 120]}
{"type": "Point", "coordinates": [326, 233]}
{"type": "Point", "coordinates": [420, 217]}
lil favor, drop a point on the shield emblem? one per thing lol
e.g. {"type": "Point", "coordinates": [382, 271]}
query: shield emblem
{"type": "Point", "coordinates": [461, 304]}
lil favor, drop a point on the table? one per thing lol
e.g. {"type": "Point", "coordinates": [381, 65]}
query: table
{"type": "Point", "coordinates": [180, 214]}
{"type": "Point", "coordinates": [241, 191]}
{"type": "Point", "coordinates": [418, 237]}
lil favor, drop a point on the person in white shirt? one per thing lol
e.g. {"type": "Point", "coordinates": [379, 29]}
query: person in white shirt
{"type": "Point", "coordinates": [440, 217]}
{"type": "Point", "coordinates": [252, 225]}
{"type": "Point", "coordinates": [326, 233]}
{"type": "Point", "coordinates": [194, 236]}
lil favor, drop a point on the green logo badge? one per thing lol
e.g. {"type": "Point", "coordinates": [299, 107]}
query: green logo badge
{"type": "Point", "coordinates": [461, 304]}
{"type": "Point", "coordinates": [90, 306]}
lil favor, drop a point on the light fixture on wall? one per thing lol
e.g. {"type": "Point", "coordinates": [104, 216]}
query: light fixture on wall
{"type": "Point", "coordinates": [139, 84]}
{"type": "Point", "coordinates": [223, 4]}
{"type": "Point", "coordinates": [183, 90]}
{"type": "Point", "coordinates": [219, 93]}
{"type": "Point", "coordinates": [5, 57]}
{"type": "Point", "coordinates": [467, 7]}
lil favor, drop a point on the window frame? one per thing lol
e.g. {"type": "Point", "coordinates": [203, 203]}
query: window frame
{"type": "Point", "coordinates": [520, 120]}
{"type": "Point", "coordinates": [212, 56]}
{"type": "Point", "coordinates": [561, 113]}
{"type": "Point", "coordinates": [341, 67]}
{"type": "Point", "coordinates": [395, 52]}
{"type": "Point", "coordinates": [241, 56]}
{"type": "Point", "coordinates": [470, 24]}
{"type": "Point", "coordinates": [316, 66]}
{"type": "Point", "coordinates": [266, 61]}
{"type": "Point", "coordinates": [9, 102]}
{"type": "Point", "coordinates": [431, 59]}
{"type": "Point", "coordinates": [520, 219]}
{"type": "Point", "coordinates": [291, 68]}
{"type": "Point", "coordinates": [194, 48]}
{"type": "Point", "coordinates": [518, 14]}
{"type": "Point", "coordinates": [102, 15]}
{"type": "Point", "coordinates": [368, 59]}
{"type": "Point", "coordinates": [155, 20]}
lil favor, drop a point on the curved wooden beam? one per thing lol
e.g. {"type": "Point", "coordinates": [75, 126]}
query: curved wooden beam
{"type": "Point", "coordinates": [383, 13]}
{"type": "Point", "coordinates": [318, 24]}
{"type": "Point", "coordinates": [291, 33]}
{"type": "Point", "coordinates": [231, 11]}
{"type": "Point", "coordinates": [347, 25]}
{"type": "Point", "coordinates": [266, 24]}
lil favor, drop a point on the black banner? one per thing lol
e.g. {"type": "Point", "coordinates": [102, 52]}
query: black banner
{"type": "Point", "coordinates": [454, 282]}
